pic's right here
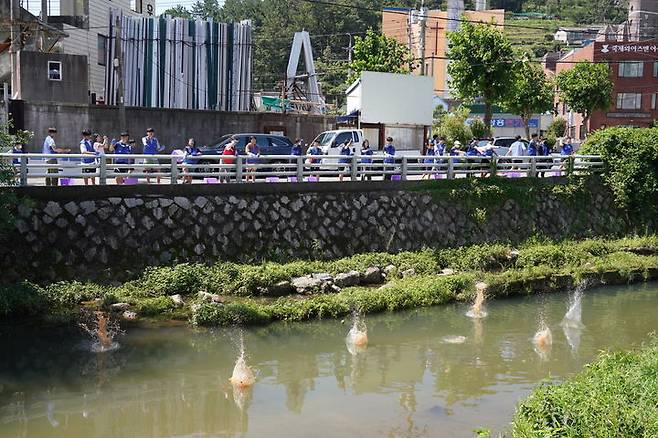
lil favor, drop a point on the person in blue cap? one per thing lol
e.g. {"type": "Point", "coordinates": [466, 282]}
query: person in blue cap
{"type": "Point", "coordinates": [151, 146]}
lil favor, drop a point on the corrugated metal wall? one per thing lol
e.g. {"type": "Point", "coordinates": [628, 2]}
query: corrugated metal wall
{"type": "Point", "coordinates": [178, 63]}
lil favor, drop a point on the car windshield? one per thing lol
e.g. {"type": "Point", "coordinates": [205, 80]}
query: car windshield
{"type": "Point", "coordinates": [482, 143]}
{"type": "Point", "coordinates": [325, 138]}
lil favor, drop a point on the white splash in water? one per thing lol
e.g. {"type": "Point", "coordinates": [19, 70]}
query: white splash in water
{"type": "Point", "coordinates": [478, 310]}
{"type": "Point", "coordinates": [543, 340]}
{"type": "Point", "coordinates": [573, 317]}
{"type": "Point", "coordinates": [357, 338]}
{"type": "Point", "coordinates": [243, 376]}
{"type": "Point", "coordinates": [103, 332]}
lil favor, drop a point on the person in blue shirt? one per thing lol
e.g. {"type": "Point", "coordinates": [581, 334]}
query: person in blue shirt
{"type": "Point", "coordinates": [389, 158]}
{"type": "Point", "coordinates": [543, 164]}
{"type": "Point", "coordinates": [296, 148]}
{"type": "Point", "coordinates": [151, 146]}
{"type": "Point", "coordinates": [430, 151]}
{"type": "Point", "coordinates": [440, 148]}
{"type": "Point", "coordinates": [50, 147]}
{"type": "Point", "coordinates": [190, 150]}
{"type": "Point", "coordinates": [122, 147]}
{"type": "Point", "coordinates": [346, 152]}
{"type": "Point", "coordinates": [87, 148]}
{"type": "Point", "coordinates": [472, 151]}
{"type": "Point", "coordinates": [314, 151]}
{"type": "Point", "coordinates": [567, 147]}
{"type": "Point", "coordinates": [533, 146]}
{"type": "Point", "coordinates": [17, 149]}
{"type": "Point", "coordinates": [366, 160]}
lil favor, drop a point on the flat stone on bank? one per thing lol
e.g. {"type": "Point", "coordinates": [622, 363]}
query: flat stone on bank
{"type": "Point", "coordinates": [346, 279]}
{"type": "Point", "coordinates": [119, 307]}
{"type": "Point", "coordinates": [373, 275]}
{"type": "Point", "coordinates": [306, 284]}
{"type": "Point", "coordinates": [177, 300]}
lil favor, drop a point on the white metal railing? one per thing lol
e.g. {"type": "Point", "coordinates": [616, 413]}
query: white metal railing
{"type": "Point", "coordinates": [63, 169]}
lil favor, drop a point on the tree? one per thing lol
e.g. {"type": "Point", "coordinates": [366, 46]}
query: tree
{"type": "Point", "coordinates": [481, 60]}
{"type": "Point", "coordinates": [178, 11]}
{"type": "Point", "coordinates": [586, 88]}
{"type": "Point", "coordinates": [452, 125]}
{"type": "Point", "coordinates": [377, 52]}
{"type": "Point", "coordinates": [8, 177]}
{"type": "Point", "coordinates": [531, 93]}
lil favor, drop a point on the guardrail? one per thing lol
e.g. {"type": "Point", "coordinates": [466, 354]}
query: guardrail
{"type": "Point", "coordinates": [64, 169]}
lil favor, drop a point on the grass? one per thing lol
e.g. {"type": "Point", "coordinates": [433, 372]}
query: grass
{"type": "Point", "coordinates": [613, 397]}
{"type": "Point", "coordinates": [535, 265]}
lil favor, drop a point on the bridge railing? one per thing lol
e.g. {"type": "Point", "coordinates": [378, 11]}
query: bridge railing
{"type": "Point", "coordinates": [64, 169]}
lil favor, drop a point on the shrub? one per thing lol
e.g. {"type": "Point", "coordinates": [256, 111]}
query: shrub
{"type": "Point", "coordinates": [22, 299]}
{"type": "Point", "coordinates": [184, 278]}
{"type": "Point", "coordinates": [631, 171]}
{"type": "Point", "coordinates": [155, 306]}
{"type": "Point", "coordinates": [613, 397]}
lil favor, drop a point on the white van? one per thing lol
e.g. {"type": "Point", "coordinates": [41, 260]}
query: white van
{"type": "Point", "coordinates": [331, 141]}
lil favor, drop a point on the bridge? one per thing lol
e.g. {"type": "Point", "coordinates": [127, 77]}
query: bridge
{"type": "Point", "coordinates": [70, 169]}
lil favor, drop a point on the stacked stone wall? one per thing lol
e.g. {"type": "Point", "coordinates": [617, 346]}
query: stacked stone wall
{"type": "Point", "coordinates": [113, 233]}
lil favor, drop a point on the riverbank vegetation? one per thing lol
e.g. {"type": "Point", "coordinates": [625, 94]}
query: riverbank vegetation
{"type": "Point", "coordinates": [229, 293]}
{"type": "Point", "coordinates": [613, 397]}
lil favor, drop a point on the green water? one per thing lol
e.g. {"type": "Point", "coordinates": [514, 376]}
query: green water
{"type": "Point", "coordinates": [173, 382]}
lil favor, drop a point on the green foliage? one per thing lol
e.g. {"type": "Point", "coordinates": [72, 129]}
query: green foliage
{"type": "Point", "coordinates": [478, 128]}
{"type": "Point", "coordinates": [557, 128]}
{"type": "Point", "coordinates": [155, 306]}
{"type": "Point", "coordinates": [631, 172]}
{"type": "Point", "coordinates": [377, 52]}
{"type": "Point", "coordinates": [178, 11]}
{"type": "Point", "coordinates": [8, 179]}
{"type": "Point", "coordinates": [481, 60]}
{"type": "Point", "coordinates": [613, 397]}
{"type": "Point", "coordinates": [585, 88]}
{"type": "Point", "coordinates": [185, 278]}
{"type": "Point", "coordinates": [452, 125]}
{"type": "Point", "coordinates": [22, 299]}
{"type": "Point", "coordinates": [531, 93]}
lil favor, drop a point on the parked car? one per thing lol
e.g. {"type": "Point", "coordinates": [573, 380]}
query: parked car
{"type": "Point", "coordinates": [268, 144]}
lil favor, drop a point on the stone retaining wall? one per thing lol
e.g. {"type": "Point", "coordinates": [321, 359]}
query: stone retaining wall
{"type": "Point", "coordinates": [113, 233]}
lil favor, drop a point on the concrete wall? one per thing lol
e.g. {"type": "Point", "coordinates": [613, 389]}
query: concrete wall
{"type": "Point", "coordinates": [112, 233]}
{"type": "Point", "coordinates": [172, 126]}
{"type": "Point", "coordinates": [34, 82]}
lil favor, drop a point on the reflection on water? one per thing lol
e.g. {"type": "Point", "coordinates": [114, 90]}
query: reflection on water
{"type": "Point", "coordinates": [408, 383]}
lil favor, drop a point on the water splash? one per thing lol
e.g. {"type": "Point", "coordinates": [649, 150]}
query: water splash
{"type": "Point", "coordinates": [477, 309]}
{"type": "Point", "coordinates": [243, 376]}
{"type": "Point", "coordinates": [103, 332]}
{"type": "Point", "coordinates": [573, 317]}
{"type": "Point", "coordinates": [357, 338]}
{"type": "Point", "coordinates": [572, 324]}
{"type": "Point", "coordinates": [543, 340]}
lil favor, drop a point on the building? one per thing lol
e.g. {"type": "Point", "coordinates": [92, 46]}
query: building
{"type": "Point", "coordinates": [576, 35]}
{"type": "Point", "coordinates": [633, 59]}
{"type": "Point", "coordinates": [408, 27]}
{"type": "Point", "coordinates": [634, 72]}
{"type": "Point", "coordinates": [509, 125]}
{"type": "Point", "coordinates": [392, 105]}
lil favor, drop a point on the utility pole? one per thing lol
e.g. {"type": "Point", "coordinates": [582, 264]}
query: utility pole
{"type": "Point", "coordinates": [349, 56]}
{"type": "Point", "coordinates": [44, 11]}
{"type": "Point", "coordinates": [118, 65]}
{"type": "Point", "coordinates": [15, 35]}
{"type": "Point", "coordinates": [423, 25]}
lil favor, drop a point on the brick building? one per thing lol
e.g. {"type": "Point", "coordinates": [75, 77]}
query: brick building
{"type": "Point", "coordinates": [634, 72]}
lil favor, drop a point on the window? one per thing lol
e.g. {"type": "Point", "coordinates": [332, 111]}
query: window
{"type": "Point", "coordinates": [342, 138]}
{"type": "Point", "coordinates": [631, 69]}
{"type": "Point", "coordinates": [654, 97]}
{"type": "Point", "coordinates": [102, 49]}
{"type": "Point", "coordinates": [655, 69]}
{"type": "Point", "coordinates": [631, 101]}
{"type": "Point", "coordinates": [54, 71]}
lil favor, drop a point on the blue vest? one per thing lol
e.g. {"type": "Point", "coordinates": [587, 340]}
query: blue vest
{"type": "Point", "coordinates": [296, 150]}
{"type": "Point", "coordinates": [151, 145]}
{"type": "Point", "coordinates": [122, 148]}
{"type": "Point", "coordinates": [366, 152]}
{"type": "Point", "coordinates": [390, 150]}
{"type": "Point", "coordinates": [567, 149]}
{"type": "Point", "coordinates": [532, 148]}
{"type": "Point", "coordinates": [89, 147]}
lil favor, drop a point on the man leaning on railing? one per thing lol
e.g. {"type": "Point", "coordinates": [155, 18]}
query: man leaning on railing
{"type": "Point", "coordinates": [50, 147]}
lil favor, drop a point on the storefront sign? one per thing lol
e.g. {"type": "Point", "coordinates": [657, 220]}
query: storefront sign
{"type": "Point", "coordinates": [629, 48]}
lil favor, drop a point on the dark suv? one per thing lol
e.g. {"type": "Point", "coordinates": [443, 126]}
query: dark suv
{"type": "Point", "coordinates": [268, 144]}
